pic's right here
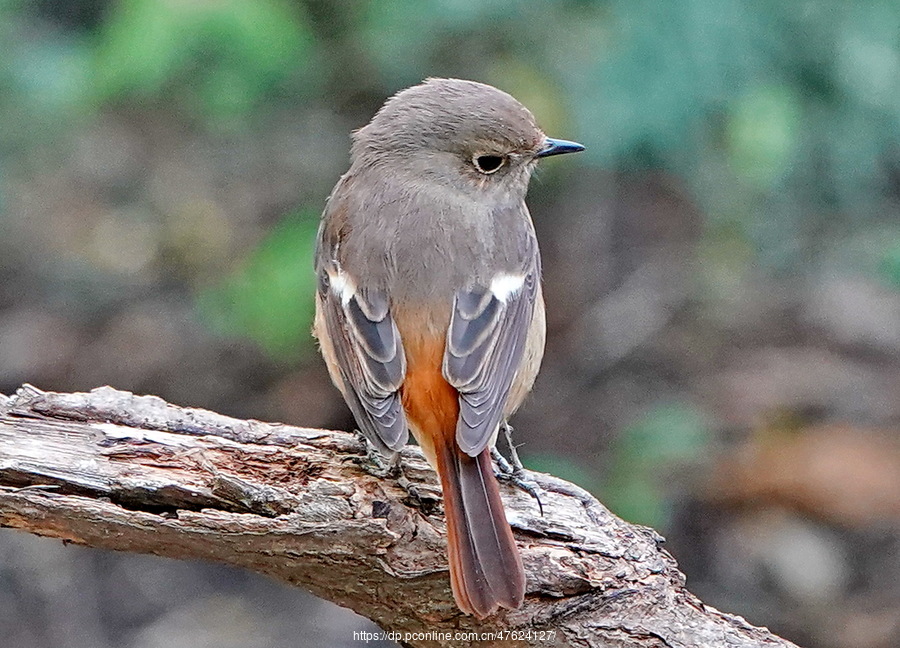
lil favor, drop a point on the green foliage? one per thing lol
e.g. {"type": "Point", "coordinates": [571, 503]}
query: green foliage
{"type": "Point", "coordinates": [42, 81]}
{"type": "Point", "coordinates": [405, 38]}
{"type": "Point", "coordinates": [762, 132]}
{"type": "Point", "coordinates": [270, 297]}
{"type": "Point", "coordinates": [497, 42]}
{"type": "Point", "coordinates": [890, 264]}
{"type": "Point", "coordinates": [220, 57]}
{"type": "Point", "coordinates": [776, 114]}
{"type": "Point", "coordinates": [645, 457]}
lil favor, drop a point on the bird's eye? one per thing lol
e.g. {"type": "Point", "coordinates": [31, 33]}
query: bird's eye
{"type": "Point", "coordinates": [488, 164]}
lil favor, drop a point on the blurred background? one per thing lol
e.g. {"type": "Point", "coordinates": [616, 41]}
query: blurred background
{"type": "Point", "coordinates": [722, 273]}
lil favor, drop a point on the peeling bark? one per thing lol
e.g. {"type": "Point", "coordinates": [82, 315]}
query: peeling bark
{"type": "Point", "coordinates": [134, 473]}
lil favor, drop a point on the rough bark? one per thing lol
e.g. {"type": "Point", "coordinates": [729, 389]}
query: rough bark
{"type": "Point", "coordinates": [134, 473]}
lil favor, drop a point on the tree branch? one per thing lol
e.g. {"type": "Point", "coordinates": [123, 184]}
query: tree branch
{"type": "Point", "coordinates": [134, 473]}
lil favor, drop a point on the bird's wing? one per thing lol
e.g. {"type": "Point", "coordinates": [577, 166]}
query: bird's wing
{"type": "Point", "coordinates": [368, 349]}
{"type": "Point", "coordinates": [485, 346]}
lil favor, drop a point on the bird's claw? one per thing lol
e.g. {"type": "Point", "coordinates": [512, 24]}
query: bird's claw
{"type": "Point", "coordinates": [512, 471]}
{"type": "Point", "coordinates": [376, 463]}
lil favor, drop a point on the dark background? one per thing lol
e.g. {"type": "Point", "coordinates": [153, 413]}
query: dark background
{"type": "Point", "coordinates": [722, 273]}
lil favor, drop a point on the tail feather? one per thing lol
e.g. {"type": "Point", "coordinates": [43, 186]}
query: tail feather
{"type": "Point", "coordinates": [485, 566]}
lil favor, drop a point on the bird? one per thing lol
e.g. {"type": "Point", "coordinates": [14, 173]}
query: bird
{"type": "Point", "coordinates": [429, 308]}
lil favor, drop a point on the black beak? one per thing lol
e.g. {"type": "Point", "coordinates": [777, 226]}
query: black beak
{"type": "Point", "coordinates": [558, 147]}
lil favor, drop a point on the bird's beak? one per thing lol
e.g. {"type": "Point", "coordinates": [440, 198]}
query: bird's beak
{"type": "Point", "coordinates": [558, 147]}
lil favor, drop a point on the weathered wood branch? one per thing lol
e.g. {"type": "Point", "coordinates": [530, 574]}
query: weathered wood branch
{"type": "Point", "coordinates": [134, 473]}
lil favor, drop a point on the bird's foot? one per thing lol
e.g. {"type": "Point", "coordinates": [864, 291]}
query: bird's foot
{"type": "Point", "coordinates": [512, 471]}
{"type": "Point", "coordinates": [507, 430]}
{"type": "Point", "coordinates": [421, 496]}
{"type": "Point", "coordinates": [375, 462]}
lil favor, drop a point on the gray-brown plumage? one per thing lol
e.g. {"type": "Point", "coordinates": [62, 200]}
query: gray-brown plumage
{"type": "Point", "coordinates": [429, 310]}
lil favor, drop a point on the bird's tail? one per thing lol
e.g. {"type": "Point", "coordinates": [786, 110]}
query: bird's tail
{"type": "Point", "coordinates": [485, 565]}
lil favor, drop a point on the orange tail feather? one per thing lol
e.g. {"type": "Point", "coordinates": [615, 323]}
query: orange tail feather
{"type": "Point", "coordinates": [485, 566]}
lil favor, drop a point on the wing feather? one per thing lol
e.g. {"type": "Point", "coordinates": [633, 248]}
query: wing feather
{"type": "Point", "coordinates": [370, 356]}
{"type": "Point", "coordinates": [485, 346]}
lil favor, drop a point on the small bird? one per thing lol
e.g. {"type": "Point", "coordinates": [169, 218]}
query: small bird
{"type": "Point", "coordinates": [429, 311]}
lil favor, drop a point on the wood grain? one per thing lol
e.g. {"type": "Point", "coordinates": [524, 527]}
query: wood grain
{"type": "Point", "coordinates": [133, 473]}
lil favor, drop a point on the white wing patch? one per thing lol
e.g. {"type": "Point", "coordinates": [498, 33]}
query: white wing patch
{"type": "Point", "coordinates": [342, 284]}
{"type": "Point", "coordinates": [504, 286]}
